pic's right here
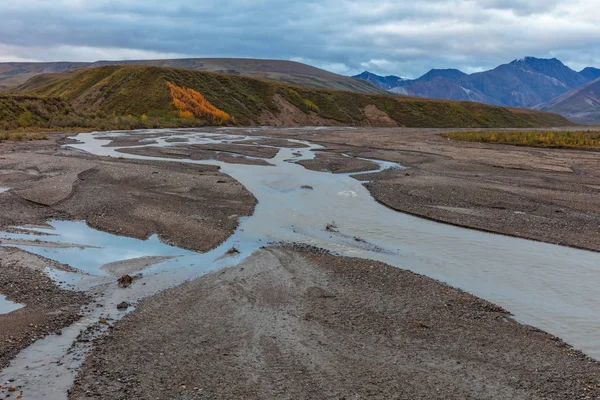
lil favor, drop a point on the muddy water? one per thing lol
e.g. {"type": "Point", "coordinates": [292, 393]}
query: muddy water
{"type": "Point", "coordinates": [551, 287]}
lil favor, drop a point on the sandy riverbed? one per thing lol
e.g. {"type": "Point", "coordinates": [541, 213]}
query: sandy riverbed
{"type": "Point", "coordinates": [294, 324]}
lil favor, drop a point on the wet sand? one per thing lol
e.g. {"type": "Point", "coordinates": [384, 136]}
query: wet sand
{"type": "Point", "coordinates": [128, 267]}
{"type": "Point", "coordinates": [294, 324]}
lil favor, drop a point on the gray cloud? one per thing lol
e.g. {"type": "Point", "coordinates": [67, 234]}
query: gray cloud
{"type": "Point", "coordinates": [520, 7]}
{"type": "Point", "coordinates": [347, 36]}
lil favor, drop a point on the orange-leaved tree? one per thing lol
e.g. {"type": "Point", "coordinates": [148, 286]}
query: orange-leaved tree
{"type": "Point", "coordinates": [191, 103]}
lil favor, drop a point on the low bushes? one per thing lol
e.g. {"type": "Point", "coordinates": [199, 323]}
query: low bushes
{"type": "Point", "coordinates": [541, 138]}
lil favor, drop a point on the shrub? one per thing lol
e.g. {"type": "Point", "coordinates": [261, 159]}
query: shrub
{"type": "Point", "coordinates": [542, 138]}
{"type": "Point", "coordinates": [311, 106]}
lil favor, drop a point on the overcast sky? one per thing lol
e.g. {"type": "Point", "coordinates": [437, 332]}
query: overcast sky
{"type": "Point", "coordinates": [405, 38]}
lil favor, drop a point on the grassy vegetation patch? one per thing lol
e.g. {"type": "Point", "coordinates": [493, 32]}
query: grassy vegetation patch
{"type": "Point", "coordinates": [540, 138]}
{"type": "Point", "coordinates": [24, 113]}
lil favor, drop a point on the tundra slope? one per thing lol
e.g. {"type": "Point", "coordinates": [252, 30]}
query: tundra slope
{"type": "Point", "coordinates": [140, 95]}
{"type": "Point", "coordinates": [581, 105]}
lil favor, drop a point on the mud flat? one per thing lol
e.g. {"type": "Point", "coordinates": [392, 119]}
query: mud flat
{"type": "Point", "coordinates": [292, 324]}
{"type": "Point", "coordinates": [198, 153]}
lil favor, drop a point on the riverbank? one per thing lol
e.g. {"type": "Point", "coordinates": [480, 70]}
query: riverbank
{"type": "Point", "coordinates": [293, 324]}
{"type": "Point", "coordinates": [534, 193]}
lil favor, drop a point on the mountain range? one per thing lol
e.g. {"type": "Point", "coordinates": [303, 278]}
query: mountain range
{"type": "Point", "coordinates": [545, 84]}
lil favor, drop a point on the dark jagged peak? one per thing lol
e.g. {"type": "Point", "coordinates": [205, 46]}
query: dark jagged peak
{"type": "Point", "coordinates": [541, 65]}
{"type": "Point", "coordinates": [449, 74]}
{"type": "Point", "coordinates": [551, 67]}
{"type": "Point", "coordinates": [533, 60]}
{"type": "Point", "coordinates": [367, 76]}
{"type": "Point", "coordinates": [384, 82]}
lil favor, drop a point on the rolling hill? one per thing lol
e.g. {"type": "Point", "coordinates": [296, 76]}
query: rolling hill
{"type": "Point", "coordinates": [141, 93]}
{"type": "Point", "coordinates": [15, 74]}
{"type": "Point", "coordinates": [581, 105]}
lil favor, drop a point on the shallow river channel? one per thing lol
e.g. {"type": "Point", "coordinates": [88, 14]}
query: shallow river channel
{"type": "Point", "coordinates": [551, 287]}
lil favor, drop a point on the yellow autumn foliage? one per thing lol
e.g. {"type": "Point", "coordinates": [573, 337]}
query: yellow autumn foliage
{"type": "Point", "coordinates": [191, 103]}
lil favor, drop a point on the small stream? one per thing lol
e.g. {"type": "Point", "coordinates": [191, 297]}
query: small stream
{"type": "Point", "coordinates": [550, 287]}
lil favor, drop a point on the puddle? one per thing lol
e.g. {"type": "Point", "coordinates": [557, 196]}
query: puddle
{"type": "Point", "coordinates": [544, 285]}
{"type": "Point", "coordinates": [89, 249]}
{"type": "Point", "coordinates": [7, 306]}
{"type": "Point", "coordinates": [4, 189]}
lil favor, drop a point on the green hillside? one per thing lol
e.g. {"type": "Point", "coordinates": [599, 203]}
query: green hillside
{"type": "Point", "coordinates": [138, 90]}
{"type": "Point", "coordinates": [21, 111]}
